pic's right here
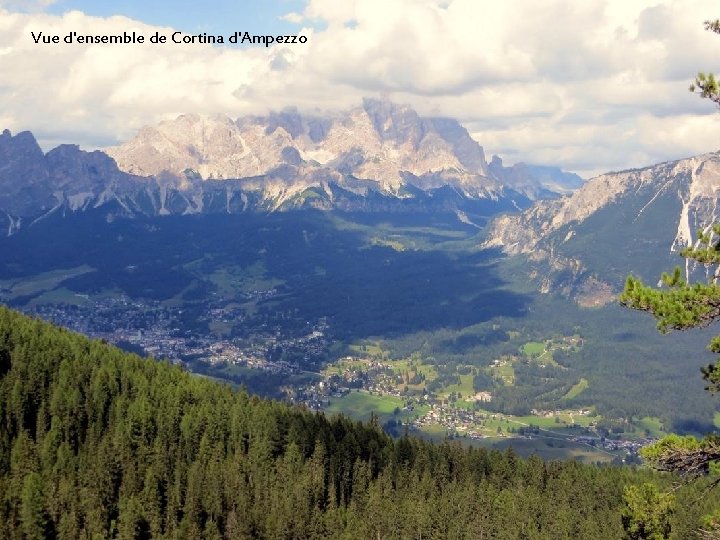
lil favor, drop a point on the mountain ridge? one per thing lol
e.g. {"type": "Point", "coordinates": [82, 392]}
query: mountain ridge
{"type": "Point", "coordinates": [555, 234]}
{"type": "Point", "coordinates": [375, 141]}
{"type": "Point", "coordinates": [68, 179]}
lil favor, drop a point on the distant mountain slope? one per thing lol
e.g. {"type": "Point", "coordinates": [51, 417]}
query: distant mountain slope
{"type": "Point", "coordinates": [537, 181]}
{"type": "Point", "coordinates": [33, 184]}
{"type": "Point", "coordinates": [630, 221]}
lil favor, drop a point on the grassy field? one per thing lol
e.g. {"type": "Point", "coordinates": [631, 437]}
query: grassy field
{"type": "Point", "coordinates": [577, 389]}
{"type": "Point", "coordinates": [61, 295]}
{"type": "Point", "coordinates": [392, 244]}
{"type": "Point", "coordinates": [653, 426]}
{"type": "Point", "coordinates": [548, 448]}
{"type": "Point", "coordinates": [465, 387]}
{"type": "Point", "coordinates": [42, 283]}
{"type": "Point", "coordinates": [566, 418]}
{"type": "Point", "coordinates": [359, 405]}
{"type": "Point", "coordinates": [533, 348]}
{"type": "Point", "coordinates": [402, 237]}
{"type": "Point", "coordinates": [504, 371]}
{"type": "Point", "coordinates": [226, 280]}
{"type": "Point", "coordinates": [230, 280]}
{"type": "Point", "coordinates": [373, 349]}
{"type": "Point", "coordinates": [547, 359]}
{"type": "Point", "coordinates": [434, 432]}
{"type": "Point", "coordinates": [539, 352]}
{"type": "Point", "coordinates": [255, 278]}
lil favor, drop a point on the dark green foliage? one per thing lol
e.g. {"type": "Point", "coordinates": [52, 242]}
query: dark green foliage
{"type": "Point", "coordinates": [365, 289]}
{"type": "Point", "coordinates": [482, 382]}
{"type": "Point", "coordinates": [415, 301]}
{"type": "Point", "coordinates": [97, 443]}
{"type": "Point", "coordinates": [33, 507]}
{"type": "Point", "coordinates": [647, 513]}
{"type": "Point", "coordinates": [682, 306]}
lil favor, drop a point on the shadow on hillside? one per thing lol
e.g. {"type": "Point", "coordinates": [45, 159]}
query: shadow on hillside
{"type": "Point", "coordinates": [364, 289]}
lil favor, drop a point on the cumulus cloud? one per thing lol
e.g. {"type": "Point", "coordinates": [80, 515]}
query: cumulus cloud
{"type": "Point", "coordinates": [589, 86]}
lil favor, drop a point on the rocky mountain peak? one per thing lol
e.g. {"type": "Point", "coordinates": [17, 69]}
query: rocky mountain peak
{"type": "Point", "coordinates": [379, 141]}
{"type": "Point", "coordinates": [75, 170]}
{"type": "Point", "coordinates": [24, 177]}
{"type": "Point", "coordinates": [633, 221]}
{"type": "Point", "coordinates": [397, 123]}
{"type": "Point", "coordinates": [20, 146]}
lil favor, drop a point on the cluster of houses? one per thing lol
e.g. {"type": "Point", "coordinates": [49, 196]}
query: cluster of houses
{"type": "Point", "coordinates": [631, 446]}
{"type": "Point", "coordinates": [155, 329]}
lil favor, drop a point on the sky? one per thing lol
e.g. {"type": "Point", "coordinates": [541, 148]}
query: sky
{"type": "Point", "coordinates": [587, 85]}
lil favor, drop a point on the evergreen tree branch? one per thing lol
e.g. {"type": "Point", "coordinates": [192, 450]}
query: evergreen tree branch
{"type": "Point", "coordinates": [686, 456]}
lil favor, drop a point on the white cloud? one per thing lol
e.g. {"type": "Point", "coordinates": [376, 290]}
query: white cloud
{"type": "Point", "coordinates": [588, 85]}
{"type": "Point", "coordinates": [294, 18]}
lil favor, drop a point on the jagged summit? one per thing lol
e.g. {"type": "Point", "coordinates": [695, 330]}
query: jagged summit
{"type": "Point", "coordinates": [377, 141]}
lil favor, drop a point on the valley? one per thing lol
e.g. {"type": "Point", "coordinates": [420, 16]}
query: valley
{"type": "Point", "coordinates": [294, 305]}
{"type": "Point", "coordinates": [131, 431]}
{"type": "Point", "coordinates": [286, 253]}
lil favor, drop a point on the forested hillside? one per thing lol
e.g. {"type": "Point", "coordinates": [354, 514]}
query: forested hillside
{"type": "Point", "coordinates": [97, 443]}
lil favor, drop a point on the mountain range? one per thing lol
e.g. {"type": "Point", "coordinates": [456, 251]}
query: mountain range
{"type": "Point", "coordinates": [377, 156]}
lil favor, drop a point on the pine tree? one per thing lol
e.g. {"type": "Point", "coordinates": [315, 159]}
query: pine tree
{"type": "Point", "coordinates": [208, 462]}
{"type": "Point", "coordinates": [680, 305]}
{"type": "Point", "coordinates": [647, 513]}
{"type": "Point", "coordinates": [33, 511]}
{"type": "Point", "coordinates": [705, 84]}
